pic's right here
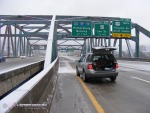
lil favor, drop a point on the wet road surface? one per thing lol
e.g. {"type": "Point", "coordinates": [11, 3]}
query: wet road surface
{"type": "Point", "coordinates": [129, 94]}
{"type": "Point", "coordinates": [69, 95]}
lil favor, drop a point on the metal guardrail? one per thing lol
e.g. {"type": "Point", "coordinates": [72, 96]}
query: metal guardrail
{"type": "Point", "coordinates": [35, 93]}
{"type": "Point", "coordinates": [135, 59]}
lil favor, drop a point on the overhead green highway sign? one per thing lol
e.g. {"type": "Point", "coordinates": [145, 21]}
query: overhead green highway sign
{"type": "Point", "coordinates": [121, 28]}
{"type": "Point", "coordinates": [102, 29]}
{"type": "Point", "coordinates": [81, 28]}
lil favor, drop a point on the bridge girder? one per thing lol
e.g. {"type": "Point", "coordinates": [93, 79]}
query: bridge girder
{"type": "Point", "coordinates": [28, 28]}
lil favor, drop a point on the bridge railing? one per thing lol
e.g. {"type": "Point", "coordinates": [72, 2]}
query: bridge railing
{"type": "Point", "coordinates": [33, 96]}
{"type": "Point", "coordinates": [135, 59]}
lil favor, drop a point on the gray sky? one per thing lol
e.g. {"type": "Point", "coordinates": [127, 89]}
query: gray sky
{"type": "Point", "coordinates": [137, 10]}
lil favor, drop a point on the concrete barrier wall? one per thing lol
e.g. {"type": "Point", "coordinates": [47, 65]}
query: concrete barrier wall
{"type": "Point", "coordinates": [11, 79]}
{"type": "Point", "coordinates": [39, 91]}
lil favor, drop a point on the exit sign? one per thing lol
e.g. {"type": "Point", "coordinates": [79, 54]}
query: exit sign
{"type": "Point", "coordinates": [102, 29]}
{"type": "Point", "coordinates": [81, 28]}
{"type": "Point", "coordinates": [121, 28]}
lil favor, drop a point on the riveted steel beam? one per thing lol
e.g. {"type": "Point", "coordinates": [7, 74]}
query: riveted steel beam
{"type": "Point", "coordinates": [23, 35]}
{"type": "Point", "coordinates": [141, 29]}
{"type": "Point", "coordinates": [11, 22]}
{"type": "Point", "coordinates": [69, 45]}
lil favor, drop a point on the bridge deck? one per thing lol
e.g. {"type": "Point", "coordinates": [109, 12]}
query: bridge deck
{"type": "Point", "coordinates": [130, 93]}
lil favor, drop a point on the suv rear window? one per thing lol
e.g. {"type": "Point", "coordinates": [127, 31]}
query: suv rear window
{"type": "Point", "coordinates": [100, 57]}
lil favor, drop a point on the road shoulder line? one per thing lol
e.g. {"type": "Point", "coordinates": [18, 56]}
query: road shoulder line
{"type": "Point", "coordinates": [97, 106]}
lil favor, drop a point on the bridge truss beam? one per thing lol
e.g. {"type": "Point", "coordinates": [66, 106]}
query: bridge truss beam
{"type": "Point", "coordinates": [18, 32]}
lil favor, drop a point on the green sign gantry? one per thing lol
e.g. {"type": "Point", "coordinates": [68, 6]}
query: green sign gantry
{"type": "Point", "coordinates": [81, 28]}
{"type": "Point", "coordinates": [121, 28]}
{"type": "Point", "coordinates": [102, 29]}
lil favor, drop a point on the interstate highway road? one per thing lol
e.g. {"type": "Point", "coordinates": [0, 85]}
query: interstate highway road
{"type": "Point", "coordinates": [129, 94]}
{"type": "Point", "coordinates": [14, 63]}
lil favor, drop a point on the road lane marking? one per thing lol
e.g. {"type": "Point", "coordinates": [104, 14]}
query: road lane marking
{"type": "Point", "coordinates": [97, 106]}
{"type": "Point", "coordinates": [140, 79]}
{"type": "Point", "coordinates": [95, 103]}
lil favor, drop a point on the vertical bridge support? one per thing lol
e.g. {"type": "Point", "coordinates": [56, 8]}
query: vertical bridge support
{"type": "Point", "coordinates": [137, 44]}
{"type": "Point", "coordinates": [129, 48]}
{"type": "Point", "coordinates": [120, 48]}
{"type": "Point", "coordinates": [50, 45]}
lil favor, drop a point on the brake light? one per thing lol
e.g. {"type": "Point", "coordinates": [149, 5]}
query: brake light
{"type": "Point", "coordinates": [89, 66]}
{"type": "Point", "coordinates": [116, 65]}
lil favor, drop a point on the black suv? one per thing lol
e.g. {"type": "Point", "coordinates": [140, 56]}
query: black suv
{"type": "Point", "coordinates": [100, 63]}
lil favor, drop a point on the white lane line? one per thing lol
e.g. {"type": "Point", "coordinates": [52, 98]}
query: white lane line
{"type": "Point", "coordinates": [140, 79]}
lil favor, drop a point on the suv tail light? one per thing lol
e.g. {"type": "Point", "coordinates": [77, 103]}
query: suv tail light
{"type": "Point", "coordinates": [89, 66]}
{"type": "Point", "coordinates": [116, 65]}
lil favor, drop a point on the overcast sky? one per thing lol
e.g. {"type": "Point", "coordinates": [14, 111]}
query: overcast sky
{"type": "Point", "coordinates": [137, 10]}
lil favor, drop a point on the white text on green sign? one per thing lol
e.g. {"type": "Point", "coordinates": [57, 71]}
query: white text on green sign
{"type": "Point", "coordinates": [102, 29]}
{"type": "Point", "coordinates": [121, 28]}
{"type": "Point", "coordinates": [81, 28]}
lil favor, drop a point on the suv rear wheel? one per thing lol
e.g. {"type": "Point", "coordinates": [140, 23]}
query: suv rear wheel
{"type": "Point", "coordinates": [113, 79]}
{"type": "Point", "coordinates": [77, 71]}
{"type": "Point", "coordinates": [84, 78]}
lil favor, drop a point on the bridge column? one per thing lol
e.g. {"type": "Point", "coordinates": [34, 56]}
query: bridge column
{"type": "Point", "coordinates": [8, 42]}
{"type": "Point", "coordinates": [11, 41]}
{"type": "Point", "coordinates": [137, 44]}
{"type": "Point", "coordinates": [129, 48]}
{"type": "Point", "coordinates": [84, 47]}
{"type": "Point", "coordinates": [120, 47]}
{"type": "Point", "coordinates": [27, 47]}
{"type": "Point", "coordinates": [19, 43]}
{"type": "Point", "coordinates": [105, 42]}
{"type": "Point", "coordinates": [15, 42]}
{"type": "Point", "coordinates": [24, 46]}
{"type": "Point", "coordinates": [88, 45]}
{"type": "Point", "coordinates": [91, 41]}
{"type": "Point", "coordinates": [54, 43]}
{"type": "Point", "coordinates": [109, 42]}
{"type": "Point", "coordinates": [115, 42]}
{"type": "Point", "coordinates": [96, 42]}
{"type": "Point", "coordinates": [101, 41]}
{"type": "Point", "coordinates": [50, 43]}
{"type": "Point", "coordinates": [4, 41]}
{"type": "Point", "coordinates": [82, 51]}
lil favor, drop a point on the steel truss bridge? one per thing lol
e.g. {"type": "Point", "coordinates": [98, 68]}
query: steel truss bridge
{"type": "Point", "coordinates": [21, 34]}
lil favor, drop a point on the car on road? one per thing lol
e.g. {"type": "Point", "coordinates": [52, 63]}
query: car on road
{"type": "Point", "coordinates": [2, 59]}
{"type": "Point", "coordinates": [22, 56]}
{"type": "Point", "coordinates": [99, 63]}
